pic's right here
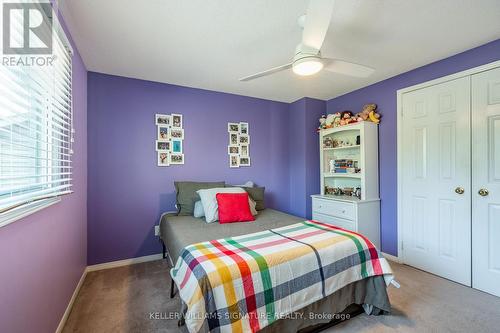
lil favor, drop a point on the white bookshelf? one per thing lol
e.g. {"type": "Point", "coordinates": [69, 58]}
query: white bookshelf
{"type": "Point", "coordinates": [349, 212]}
{"type": "Point", "coordinates": [366, 154]}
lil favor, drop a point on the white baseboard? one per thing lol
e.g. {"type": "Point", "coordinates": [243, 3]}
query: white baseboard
{"type": "Point", "coordinates": [124, 262]}
{"type": "Point", "coordinates": [71, 301]}
{"type": "Point", "coordinates": [392, 258]}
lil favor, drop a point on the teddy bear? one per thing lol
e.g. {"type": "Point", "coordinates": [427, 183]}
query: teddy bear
{"type": "Point", "coordinates": [365, 113]}
{"type": "Point", "coordinates": [369, 113]}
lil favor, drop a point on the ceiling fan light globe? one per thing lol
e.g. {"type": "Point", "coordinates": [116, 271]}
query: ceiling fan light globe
{"type": "Point", "coordinates": [307, 66]}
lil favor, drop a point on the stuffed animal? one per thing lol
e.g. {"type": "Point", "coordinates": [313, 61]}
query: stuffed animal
{"type": "Point", "coordinates": [369, 113]}
{"type": "Point", "coordinates": [374, 117]}
{"type": "Point", "coordinates": [322, 121]}
{"type": "Point", "coordinates": [365, 113]}
{"type": "Point", "coordinates": [346, 118]}
{"type": "Point", "coordinates": [330, 120]}
{"type": "Point", "coordinates": [359, 117]}
{"type": "Point", "coordinates": [336, 120]}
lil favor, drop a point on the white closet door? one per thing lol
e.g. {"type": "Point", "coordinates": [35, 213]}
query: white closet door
{"type": "Point", "coordinates": [486, 177]}
{"type": "Point", "coordinates": [436, 175]}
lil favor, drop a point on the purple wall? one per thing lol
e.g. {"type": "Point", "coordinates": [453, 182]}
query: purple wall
{"type": "Point", "coordinates": [384, 94]}
{"type": "Point", "coordinates": [296, 161]}
{"type": "Point", "coordinates": [304, 153]}
{"type": "Point", "coordinates": [42, 256]}
{"type": "Point", "coordinates": [128, 192]}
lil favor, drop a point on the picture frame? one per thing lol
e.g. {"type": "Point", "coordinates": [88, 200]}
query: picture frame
{"type": "Point", "coordinates": [234, 139]}
{"type": "Point", "coordinates": [244, 150]}
{"type": "Point", "coordinates": [244, 139]}
{"type": "Point", "coordinates": [163, 159]}
{"type": "Point", "coordinates": [234, 161]}
{"type": "Point", "coordinates": [176, 146]}
{"type": "Point", "coordinates": [176, 159]}
{"type": "Point", "coordinates": [162, 119]}
{"type": "Point", "coordinates": [177, 133]}
{"type": "Point", "coordinates": [243, 128]}
{"type": "Point", "coordinates": [233, 149]}
{"type": "Point", "coordinates": [244, 161]}
{"type": "Point", "coordinates": [233, 127]}
{"type": "Point", "coordinates": [163, 132]}
{"type": "Point", "coordinates": [176, 120]}
{"type": "Point", "coordinates": [163, 145]}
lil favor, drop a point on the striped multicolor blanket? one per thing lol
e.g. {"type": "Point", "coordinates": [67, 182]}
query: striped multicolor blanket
{"type": "Point", "coordinates": [244, 283]}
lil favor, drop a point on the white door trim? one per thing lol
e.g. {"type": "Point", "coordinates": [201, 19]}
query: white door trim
{"type": "Point", "coordinates": [399, 109]}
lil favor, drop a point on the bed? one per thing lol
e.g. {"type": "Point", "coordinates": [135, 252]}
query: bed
{"type": "Point", "coordinates": [178, 232]}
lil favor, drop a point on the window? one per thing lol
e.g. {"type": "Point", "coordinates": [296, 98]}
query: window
{"type": "Point", "coordinates": [36, 132]}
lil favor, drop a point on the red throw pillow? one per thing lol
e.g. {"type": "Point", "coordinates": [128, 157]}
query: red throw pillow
{"type": "Point", "coordinates": [234, 207]}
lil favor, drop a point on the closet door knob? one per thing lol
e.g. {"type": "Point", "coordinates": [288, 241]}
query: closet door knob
{"type": "Point", "coordinates": [459, 190]}
{"type": "Point", "coordinates": [483, 192]}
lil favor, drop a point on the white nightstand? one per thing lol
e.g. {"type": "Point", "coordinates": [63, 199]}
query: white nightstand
{"type": "Point", "coordinates": [362, 216]}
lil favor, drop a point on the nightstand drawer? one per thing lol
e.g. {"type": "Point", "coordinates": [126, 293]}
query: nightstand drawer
{"type": "Point", "coordinates": [338, 222]}
{"type": "Point", "coordinates": [340, 209]}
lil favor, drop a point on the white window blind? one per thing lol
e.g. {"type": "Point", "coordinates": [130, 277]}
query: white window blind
{"type": "Point", "coordinates": [36, 126]}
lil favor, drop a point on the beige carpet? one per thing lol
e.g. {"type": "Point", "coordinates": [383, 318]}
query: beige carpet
{"type": "Point", "coordinates": [136, 299]}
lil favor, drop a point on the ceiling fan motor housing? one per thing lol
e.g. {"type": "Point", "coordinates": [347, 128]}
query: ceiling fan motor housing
{"type": "Point", "coordinates": [303, 51]}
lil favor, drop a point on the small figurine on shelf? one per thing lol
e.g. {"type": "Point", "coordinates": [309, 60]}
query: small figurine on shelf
{"type": "Point", "coordinates": [329, 190]}
{"type": "Point", "coordinates": [357, 192]}
{"type": "Point", "coordinates": [338, 191]}
{"type": "Point", "coordinates": [331, 164]}
{"type": "Point", "coordinates": [327, 142]}
{"type": "Point", "coordinates": [348, 191]}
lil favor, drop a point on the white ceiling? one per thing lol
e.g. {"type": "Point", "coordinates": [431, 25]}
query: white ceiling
{"type": "Point", "coordinates": [209, 44]}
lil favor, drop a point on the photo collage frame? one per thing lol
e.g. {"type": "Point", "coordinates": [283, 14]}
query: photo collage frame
{"type": "Point", "coordinates": [238, 148]}
{"type": "Point", "coordinates": [169, 139]}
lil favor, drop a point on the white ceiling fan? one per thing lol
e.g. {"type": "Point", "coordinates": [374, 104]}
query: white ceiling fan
{"type": "Point", "coordinates": [308, 59]}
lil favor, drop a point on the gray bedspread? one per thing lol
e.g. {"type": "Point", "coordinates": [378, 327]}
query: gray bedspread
{"type": "Point", "coordinates": [180, 231]}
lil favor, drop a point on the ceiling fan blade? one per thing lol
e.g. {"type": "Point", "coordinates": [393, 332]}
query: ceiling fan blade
{"type": "Point", "coordinates": [318, 16]}
{"type": "Point", "coordinates": [267, 72]}
{"type": "Point", "coordinates": [347, 68]}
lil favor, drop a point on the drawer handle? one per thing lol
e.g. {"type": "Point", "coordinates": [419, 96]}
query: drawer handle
{"type": "Point", "coordinates": [343, 211]}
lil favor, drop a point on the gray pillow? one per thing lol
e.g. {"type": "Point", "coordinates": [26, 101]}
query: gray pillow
{"type": "Point", "coordinates": [187, 196]}
{"type": "Point", "coordinates": [256, 194]}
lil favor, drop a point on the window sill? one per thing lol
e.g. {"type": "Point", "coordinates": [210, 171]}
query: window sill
{"type": "Point", "coordinates": [23, 211]}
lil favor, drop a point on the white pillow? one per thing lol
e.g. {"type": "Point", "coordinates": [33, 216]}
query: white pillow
{"type": "Point", "coordinates": [247, 184]}
{"type": "Point", "coordinates": [198, 209]}
{"type": "Point", "coordinates": [209, 201]}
